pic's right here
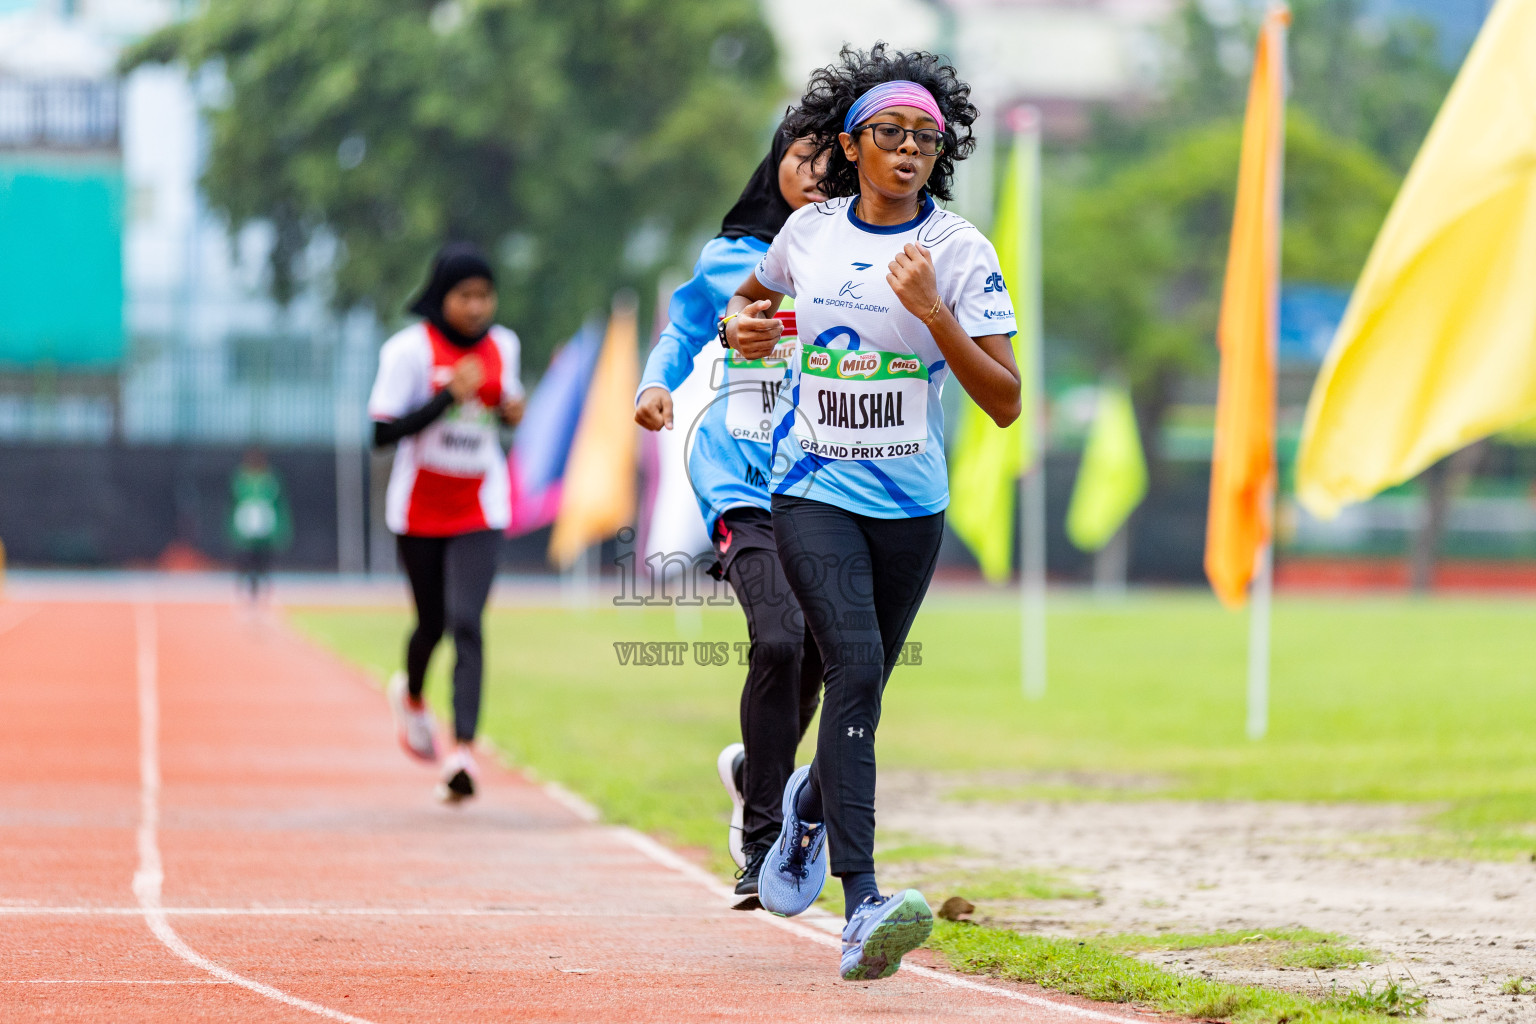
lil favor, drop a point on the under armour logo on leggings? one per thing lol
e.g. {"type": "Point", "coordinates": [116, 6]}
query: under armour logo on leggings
{"type": "Point", "coordinates": [856, 731]}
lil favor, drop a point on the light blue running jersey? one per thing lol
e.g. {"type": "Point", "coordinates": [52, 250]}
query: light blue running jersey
{"type": "Point", "coordinates": [859, 424]}
{"type": "Point", "coordinates": [726, 472]}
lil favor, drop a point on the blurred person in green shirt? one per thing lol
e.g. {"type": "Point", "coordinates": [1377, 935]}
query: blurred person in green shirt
{"type": "Point", "coordinates": [258, 522]}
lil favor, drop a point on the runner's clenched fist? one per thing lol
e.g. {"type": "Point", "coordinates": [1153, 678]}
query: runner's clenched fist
{"type": "Point", "coordinates": [913, 280]}
{"type": "Point", "coordinates": [754, 332]}
{"type": "Point", "coordinates": [654, 410]}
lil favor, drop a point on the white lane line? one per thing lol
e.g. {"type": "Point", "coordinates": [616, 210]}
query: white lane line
{"type": "Point", "coordinates": [335, 912]}
{"type": "Point", "coordinates": [150, 876]}
{"type": "Point", "coordinates": [570, 801]}
{"type": "Point", "coordinates": [667, 858]}
{"type": "Point", "coordinates": [111, 981]}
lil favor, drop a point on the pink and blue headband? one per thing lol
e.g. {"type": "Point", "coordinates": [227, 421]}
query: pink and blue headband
{"type": "Point", "coordinates": [892, 94]}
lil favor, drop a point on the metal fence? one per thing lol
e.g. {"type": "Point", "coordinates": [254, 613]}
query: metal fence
{"type": "Point", "coordinates": [58, 114]}
{"type": "Point", "coordinates": [235, 380]}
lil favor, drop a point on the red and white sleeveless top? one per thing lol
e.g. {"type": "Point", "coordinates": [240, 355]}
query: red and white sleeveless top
{"type": "Point", "coordinates": [451, 478]}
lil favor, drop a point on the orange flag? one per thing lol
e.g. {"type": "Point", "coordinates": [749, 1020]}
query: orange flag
{"type": "Point", "coordinates": [1243, 463]}
{"type": "Point", "coordinates": [597, 497]}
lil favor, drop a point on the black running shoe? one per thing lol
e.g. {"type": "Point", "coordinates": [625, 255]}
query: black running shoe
{"type": "Point", "coordinates": [458, 783]}
{"type": "Point", "coordinates": [459, 786]}
{"type": "Point", "coordinates": [746, 878]}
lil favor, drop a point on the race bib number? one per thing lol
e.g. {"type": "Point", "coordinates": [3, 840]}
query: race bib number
{"type": "Point", "coordinates": [861, 405]}
{"type": "Point", "coordinates": [255, 519]}
{"type": "Point", "coordinates": [460, 443]}
{"type": "Point", "coordinates": [752, 389]}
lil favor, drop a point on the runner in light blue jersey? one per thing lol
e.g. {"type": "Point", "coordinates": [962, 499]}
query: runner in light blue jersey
{"type": "Point", "coordinates": [728, 467]}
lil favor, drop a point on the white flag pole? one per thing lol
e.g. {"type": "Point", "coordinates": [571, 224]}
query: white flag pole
{"type": "Point", "coordinates": [1032, 483]}
{"type": "Point", "coordinates": [1258, 643]}
{"type": "Point", "coordinates": [1262, 591]}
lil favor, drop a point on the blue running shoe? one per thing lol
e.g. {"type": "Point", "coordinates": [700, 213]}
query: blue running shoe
{"type": "Point", "coordinates": [796, 866]}
{"type": "Point", "coordinates": [881, 932]}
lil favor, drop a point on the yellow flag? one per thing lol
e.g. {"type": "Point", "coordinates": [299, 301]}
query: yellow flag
{"type": "Point", "coordinates": [597, 497]}
{"type": "Point", "coordinates": [986, 459]}
{"type": "Point", "coordinates": [1243, 462]}
{"type": "Point", "coordinates": [1112, 479]}
{"type": "Point", "coordinates": [1438, 345]}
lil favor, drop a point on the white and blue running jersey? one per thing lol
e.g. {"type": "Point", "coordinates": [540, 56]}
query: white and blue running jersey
{"type": "Point", "coordinates": [859, 423]}
{"type": "Point", "coordinates": [727, 467]}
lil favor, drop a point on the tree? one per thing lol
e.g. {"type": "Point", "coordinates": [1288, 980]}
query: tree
{"type": "Point", "coordinates": [1378, 82]}
{"type": "Point", "coordinates": [1134, 265]}
{"type": "Point", "coordinates": [1138, 219]}
{"type": "Point", "coordinates": [581, 143]}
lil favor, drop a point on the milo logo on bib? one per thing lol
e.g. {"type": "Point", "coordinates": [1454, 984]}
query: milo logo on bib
{"type": "Point", "coordinates": [859, 364]}
{"type": "Point", "coordinates": [779, 358]}
{"type": "Point", "coordinates": [752, 390]}
{"type": "Point", "coordinates": [861, 405]}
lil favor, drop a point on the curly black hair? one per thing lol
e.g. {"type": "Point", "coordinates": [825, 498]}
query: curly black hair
{"type": "Point", "coordinates": [833, 89]}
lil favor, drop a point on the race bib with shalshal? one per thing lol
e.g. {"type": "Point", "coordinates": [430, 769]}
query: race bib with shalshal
{"type": "Point", "coordinates": [861, 405]}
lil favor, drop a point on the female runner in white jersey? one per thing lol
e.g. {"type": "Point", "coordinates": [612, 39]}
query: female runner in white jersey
{"type": "Point", "coordinates": [728, 468]}
{"type": "Point", "coordinates": [443, 388]}
{"type": "Point", "coordinates": [892, 297]}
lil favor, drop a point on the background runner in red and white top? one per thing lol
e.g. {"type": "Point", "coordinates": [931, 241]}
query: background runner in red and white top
{"type": "Point", "coordinates": [451, 478]}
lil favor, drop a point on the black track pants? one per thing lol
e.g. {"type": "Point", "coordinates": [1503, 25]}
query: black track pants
{"type": "Point", "coordinates": [783, 683]}
{"type": "Point", "coordinates": [450, 581]}
{"type": "Point", "coordinates": [255, 567]}
{"type": "Point", "coordinates": [860, 581]}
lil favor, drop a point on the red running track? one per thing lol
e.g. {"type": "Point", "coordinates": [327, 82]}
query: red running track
{"type": "Point", "coordinates": [205, 818]}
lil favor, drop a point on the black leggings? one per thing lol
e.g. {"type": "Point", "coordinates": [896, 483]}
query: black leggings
{"type": "Point", "coordinates": [783, 683]}
{"type": "Point", "coordinates": [255, 566]}
{"type": "Point", "coordinates": [860, 581]}
{"type": "Point", "coordinates": [450, 581]}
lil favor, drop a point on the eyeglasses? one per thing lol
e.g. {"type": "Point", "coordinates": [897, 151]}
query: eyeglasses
{"type": "Point", "coordinates": [889, 137]}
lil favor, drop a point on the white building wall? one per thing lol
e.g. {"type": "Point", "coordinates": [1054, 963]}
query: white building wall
{"type": "Point", "coordinates": [1060, 54]}
{"type": "Point", "coordinates": [1009, 50]}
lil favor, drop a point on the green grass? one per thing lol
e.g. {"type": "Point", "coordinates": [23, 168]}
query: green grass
{"type": "Point", "coordinates": [1326, 957]}
{"type": "Point", "coordinates": [1296, 948]}
{"type": "Point", "coordinates": [1211, 940]}
{"type": "Point", "coordinates": [1392, 999]}
{"type": "Point", "coordinates": [1096, 970]}
{"type": "Point", "coordinates": [1056, 793]}
{"type": "Point", "coordinates": [917, 851]}
{"type": "Point", "coordinates": [1373, 699]}
{"type": "Point", "coordinates": [943, 870]}
{"type": "Point", "coordinates": [1006, 885]}
{"type": "Point", "coordinates": [940, 881]}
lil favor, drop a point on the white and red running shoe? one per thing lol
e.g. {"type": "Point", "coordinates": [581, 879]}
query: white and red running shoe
{"type": "Point", "coordinates": [413, 722]}
{"type": "Point", "coordinates": [459, 775]}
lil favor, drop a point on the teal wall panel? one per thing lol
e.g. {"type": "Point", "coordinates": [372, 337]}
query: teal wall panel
{"type": "Point", "coordinates": [61, 262]}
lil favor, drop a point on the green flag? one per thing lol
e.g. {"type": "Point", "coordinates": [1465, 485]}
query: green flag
{"type": "Point", "coordinates": [1112, 479]}
{"type": "Point", "coordinates": [986, 460]}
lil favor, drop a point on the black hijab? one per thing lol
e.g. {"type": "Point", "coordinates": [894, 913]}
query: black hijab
{"type": "Point", "coordinates": [762, 209]}
{"type": "Point", "coordinates": [455, 262]}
